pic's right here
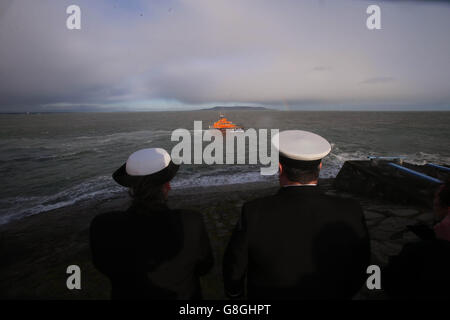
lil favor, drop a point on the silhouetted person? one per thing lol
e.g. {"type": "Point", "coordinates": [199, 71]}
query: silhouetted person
{"type": "Point", "coordinates": [150, 251]}
{"type": "Point", "coordinates": [422, 269]}
{"type": "Point", "coordinates": [298, 243]}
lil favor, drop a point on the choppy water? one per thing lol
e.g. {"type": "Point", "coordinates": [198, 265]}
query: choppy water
{"type": "Point", "coordinates": [53, 160]}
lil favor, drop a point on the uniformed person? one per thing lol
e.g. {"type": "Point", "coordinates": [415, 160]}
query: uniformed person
{"type": "Point", "coordinates": [149, 250]}
{"type": "Point", "coordinates": [298, 243]}
{"type": "Point", "coordinates": [421, 269]}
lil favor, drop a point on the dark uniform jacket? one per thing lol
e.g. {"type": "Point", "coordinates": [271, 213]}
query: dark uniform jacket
{"type": "Point", "coordinates": [296, 244]}
{"type": "Point", "coordinates": [420, 271]}
{"type": "Point", "coordinates": [158, 253]}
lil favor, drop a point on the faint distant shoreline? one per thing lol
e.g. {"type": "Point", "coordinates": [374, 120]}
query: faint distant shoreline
{"type": "Point", "coordinates": [223, 108]}
{"type": "Point", "coordinates": [227, 109]}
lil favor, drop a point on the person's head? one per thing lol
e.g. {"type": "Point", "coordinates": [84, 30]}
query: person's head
{"type": "Point", "coordinates": [147, 173]}
{"type": "Point", "coordinates": [300, 156]}
{"type": "Point", "coordinates": [308, 175]}
{"type": "Point", "coordinates": [150, 193]}
{"type": "Point", "coordinates": [442, 200]}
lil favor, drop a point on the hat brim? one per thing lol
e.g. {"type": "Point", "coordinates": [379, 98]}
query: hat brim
{"type": "Point", "coordinates": [158, 178]}
{"type": "Point", "coordinates": [299, 164]}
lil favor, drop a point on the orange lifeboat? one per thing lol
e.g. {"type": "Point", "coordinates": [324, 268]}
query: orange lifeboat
{"type": "Point", "coordinates": [224, 124]}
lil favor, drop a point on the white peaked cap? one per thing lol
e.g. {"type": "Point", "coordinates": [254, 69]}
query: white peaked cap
{"type": "Point", "coordinates": [301, 145]}
{"type": "Point", "coordinates": [147, 161]}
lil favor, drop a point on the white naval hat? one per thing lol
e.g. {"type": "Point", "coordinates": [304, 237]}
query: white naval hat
{"type": "Point", "coordinates": [300, 148]}
{"type": "Point", "coordinates": [153, 164]}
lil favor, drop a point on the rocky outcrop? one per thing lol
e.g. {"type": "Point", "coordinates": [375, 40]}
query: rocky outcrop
{"type": "Point", "coordinates": [379, 179]}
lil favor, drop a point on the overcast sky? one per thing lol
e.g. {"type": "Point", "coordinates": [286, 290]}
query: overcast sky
{"type": "Point", "coordinates": [153, 55]}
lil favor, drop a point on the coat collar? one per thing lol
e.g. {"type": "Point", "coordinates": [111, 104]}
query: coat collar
{"type": "Point", "coordinates": [137, 208]}
{"type": "Point", "coordinates": [300, 190]}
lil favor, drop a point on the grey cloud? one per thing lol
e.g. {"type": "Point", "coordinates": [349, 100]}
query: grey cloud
{"type": "Point", "coordinates": [203, 52]}
{"type": "Point", "coordinates": [413, 1]}
{"type": "Point", "coordinates": [378, 80]}
{"type": "Point", "coordinates": [322, 68]}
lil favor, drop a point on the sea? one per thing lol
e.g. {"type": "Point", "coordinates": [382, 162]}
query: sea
{"type": "Point", "coordinates": [52, 160]}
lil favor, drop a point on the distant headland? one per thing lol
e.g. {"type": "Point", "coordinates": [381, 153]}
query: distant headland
{"type": "Point", "coordinates": [223, 108]}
